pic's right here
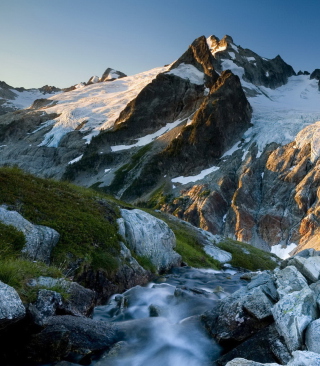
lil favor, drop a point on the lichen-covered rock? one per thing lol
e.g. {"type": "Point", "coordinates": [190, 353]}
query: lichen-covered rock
{"type": "Point", "coordinates": [11, 307]}
{"type": "Point", "coordinates": [79, 303]}
{"type": "Point", "coordinates": [258, 304]}
{"type": "Point", "coordinates": [292, 315]}
{"type": "Point", "coordinates": [313, 336]}
{"type": "Point", "coordinates": [289, 280]}
{"type": "Point", "coordinates": [149, 237]}
{"type": "Point", "coordinates": [45, 306]}
{"type": "Point", "coordinates": [40, 240]}
{"type": "Point", "coordinates": [304, 358]}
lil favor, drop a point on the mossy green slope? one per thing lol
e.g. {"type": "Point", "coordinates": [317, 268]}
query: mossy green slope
{"type": "Point", "coordinates": [85, 221]}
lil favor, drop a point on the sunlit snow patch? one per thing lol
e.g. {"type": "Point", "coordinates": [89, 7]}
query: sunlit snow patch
{"type": "Point", "coordinates": [142, 141]}
{"type": "Point", "coordinates": [76, 159]}
{"type": "Point", "coordinates": [188, 72]}
{"type": "Point", "coordinates": [194, 178]}
{"type": "Point", "coordinates": [283, 253]}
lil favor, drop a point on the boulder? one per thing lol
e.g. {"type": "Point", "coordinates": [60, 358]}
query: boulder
{"type": "Point", "coordinates": [289, 280]}
{"type": "Point", "coordinates": [40, 240]}
{"type": "Point", "coordinates": [80, 301]}
{"type": "Point", "coordinates": [309, 267]}
{"type": "Point", "coordinates": [292, 315]}
{"type": "Point", "coordinates": [70, 337]}
{"type": "Point", "coordinates": [230, 323]}
{"type": "Point", "coordinates": [304, 358]}
{"type": "Point", "coordinates": [11, 307]}
{"type": "Point", "coordinates": [244, 362]}
{"type": "Point", "coordinates": [313, 336]}
{"type": "Point", "coordinates": [264, 346]}
{"type": "Point", "coordinates": [258, 304]}
{"type": "Point", "coordinates": [46, 305]}
{"type": "Point", "coordinates": [149, 237]}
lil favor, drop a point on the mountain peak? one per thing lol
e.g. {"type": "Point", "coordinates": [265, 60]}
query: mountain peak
{"type": "Point", "coordinates": [112, 74]}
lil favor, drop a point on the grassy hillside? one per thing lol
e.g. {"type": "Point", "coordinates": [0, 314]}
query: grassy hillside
{"type": "Point", "coordinates": [85, 220]}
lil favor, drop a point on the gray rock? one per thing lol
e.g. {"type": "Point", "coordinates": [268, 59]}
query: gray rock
{"type": "Point", "coordinates": [81, 300]}
{"type": "Point", "coordinates": [244, 362]}
{"type": "Point", "coordinates": [67, 336]}
{"type": "Point", "coordinates": [40, 240]}
{"type": "Point", "coordinates": [230, 321]}
{"type": "Point", "coordinates": [45, 306]}
{"type": "Point", "coordinates": [264, 346]}
{"type": "Point", "coordinates": [258, 304]}
{"type": "Point", "coordinates": [220, 255]}
{"type": "Point", "coordinates": [289, 280]}
{"type": "Point", "coordinates": [292, 315]}
{"type": "Point", "coordinates": [313, 336]}
{"type": "Point", "coordinates": [306, 253]}
{"type": "Point", "coordinates": [315, 287]}
{"type": "Point", "coordinates": [266, 282]}
{"type": "Point", "coordinates": [309, 267]}
{"type": "Point", "coordinates": [11, 307]}
{"type": "Point", "coordinates": [149, 237]}
{"type": "Point", "coordinates": [304, 358]}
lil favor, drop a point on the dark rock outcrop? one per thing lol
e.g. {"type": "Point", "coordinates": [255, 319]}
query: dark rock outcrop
{"type": "Point", "coordinates": [69, 337]}
{"type": "Point", "coordinates": [315, 74]}
{"type": "Point", "coordinates": [111, 74]}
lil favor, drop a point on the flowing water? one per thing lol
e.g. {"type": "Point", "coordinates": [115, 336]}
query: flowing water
{"type": "Point", "coordinates": [161, 323]}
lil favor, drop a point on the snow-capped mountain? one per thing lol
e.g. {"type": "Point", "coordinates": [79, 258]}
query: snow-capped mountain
{"type": "Point", "coordinates": [12, 99]}
{"type": "Point", "coordinates": [222, 137]}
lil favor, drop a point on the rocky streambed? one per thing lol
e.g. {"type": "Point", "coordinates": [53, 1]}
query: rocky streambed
{"type": "Point", "coordinates": [188, 317]}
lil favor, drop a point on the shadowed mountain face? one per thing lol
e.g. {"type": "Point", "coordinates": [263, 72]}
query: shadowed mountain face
{"type": "Point", "coordinates": [207, 138]}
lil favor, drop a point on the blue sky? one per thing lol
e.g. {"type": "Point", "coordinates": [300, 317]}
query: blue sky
{"type": "Point", "coordinates": [63, 42]}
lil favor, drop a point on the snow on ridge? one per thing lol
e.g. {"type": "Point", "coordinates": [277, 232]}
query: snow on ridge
{"type": "Point", "coordinates": [95, 107]}
{"type": "Point", "coordinates": [25, 98]}
{"type": "Point", "coordinates": [145, 140]}
{"type": "Point", "coordinates": [188, 72]}
{"type": "Point", "coordinates": [280, 114]}
{"type": "Point", "coordinates": [194, 178]}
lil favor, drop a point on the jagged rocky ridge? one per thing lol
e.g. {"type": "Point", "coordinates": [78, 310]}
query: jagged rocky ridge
{"type": "Point", "coordinates": [193, 138]}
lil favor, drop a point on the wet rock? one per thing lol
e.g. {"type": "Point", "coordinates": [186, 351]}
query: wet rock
{"type": "Point", "coordinates": [70, 337]}
{"type": "Point", "coordinates": [304, 358]}
{"type": "Point", "coordinates": [313, 336]}
{"type": "Point", "coordinates": [230, 323]}
{"type": "Point", "coordinates": [289, 280]}
{"type": "Point", "coordinates": [80, 301]}
{"type": "Point", "coordinates": [292, 315]}
{"type": "Point", "coordinates": [40, 240]}
{"type": "Point", "coordinates": [11, 307]}
{"type": "Point", "coordinates": [149, 237]}
{"type": "Point", "coordinates": [265, 346]}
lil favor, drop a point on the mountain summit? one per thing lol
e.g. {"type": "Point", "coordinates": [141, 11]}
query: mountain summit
{"type": "Point", "coordinates": [222, 138]}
